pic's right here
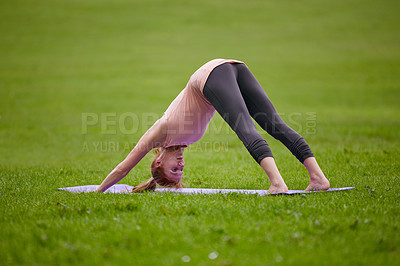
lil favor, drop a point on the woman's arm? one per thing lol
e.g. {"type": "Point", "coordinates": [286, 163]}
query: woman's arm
{"type": "Point", "coordinates": [153, 138]}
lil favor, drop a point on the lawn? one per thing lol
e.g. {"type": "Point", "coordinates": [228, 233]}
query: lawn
{"type": "Point", "coordinates": [81, 81]}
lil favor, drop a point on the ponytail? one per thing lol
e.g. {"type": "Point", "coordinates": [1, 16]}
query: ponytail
{"type": "Point", "coordinates": [150, 185]}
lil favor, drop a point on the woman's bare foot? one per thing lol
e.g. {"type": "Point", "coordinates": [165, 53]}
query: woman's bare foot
{"type": "Point", "coordinates": [278, 188]}
{"type": "Point", "coordinates": [318, 183]}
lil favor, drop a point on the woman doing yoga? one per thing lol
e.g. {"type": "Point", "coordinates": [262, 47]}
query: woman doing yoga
{"type": "Point", "coordinates": [228, 87]}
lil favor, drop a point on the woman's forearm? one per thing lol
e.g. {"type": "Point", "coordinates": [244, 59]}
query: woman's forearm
{"type": "Point", "coordinates": [114, 177]}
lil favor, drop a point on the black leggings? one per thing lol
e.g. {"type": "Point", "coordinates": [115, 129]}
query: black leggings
{"type": "Point", "coordinates": [237, 96]}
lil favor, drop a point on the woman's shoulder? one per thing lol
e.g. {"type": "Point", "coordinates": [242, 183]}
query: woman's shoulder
{"type": "Point", "coordinates": [161, 125]}
{"type": "Point", "coordinates": [155, 135]}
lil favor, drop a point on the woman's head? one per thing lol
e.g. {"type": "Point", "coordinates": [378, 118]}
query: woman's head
{"type": "Point", "coordinates": [166, 169]}
{"type": "Point", "coordinates": [170, 162]}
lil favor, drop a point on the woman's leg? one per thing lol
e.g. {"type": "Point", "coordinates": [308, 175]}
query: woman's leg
{"type": "Point", "coordinates": [222, 91]}
{"type": "Point", "coordinates": [263, 111]}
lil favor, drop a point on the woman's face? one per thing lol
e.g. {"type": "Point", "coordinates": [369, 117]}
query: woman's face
{"type": "Point", "coordinates": [172, 162]}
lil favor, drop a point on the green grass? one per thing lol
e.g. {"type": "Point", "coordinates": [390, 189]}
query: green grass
{"type": "Point", "coordinates": [332, 69]}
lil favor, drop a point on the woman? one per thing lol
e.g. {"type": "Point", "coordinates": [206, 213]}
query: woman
{"type": "Point", "coordinates": [228, 87]}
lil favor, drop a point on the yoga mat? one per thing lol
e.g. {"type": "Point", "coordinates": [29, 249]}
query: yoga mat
{"type": "Point", "coordinates": [124, 189]}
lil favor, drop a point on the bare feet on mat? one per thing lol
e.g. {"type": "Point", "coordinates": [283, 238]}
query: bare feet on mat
{"type": "Point", "coordinates": [277, 189]}
{"type": "Point", "coordinates": [318, 183]}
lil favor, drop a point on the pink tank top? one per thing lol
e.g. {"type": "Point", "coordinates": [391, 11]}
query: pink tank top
{"type": "Point", "coordinates": [188, 116]}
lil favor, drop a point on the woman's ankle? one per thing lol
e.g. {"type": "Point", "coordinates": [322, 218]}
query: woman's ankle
{"type": "Point", "coordinates": [270, 168]}
{"type": "Point", "coordinates": [313, 168]}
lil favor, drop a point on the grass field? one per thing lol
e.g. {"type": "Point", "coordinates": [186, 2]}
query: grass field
{"type": "Point", "coordinates": [80, 81]}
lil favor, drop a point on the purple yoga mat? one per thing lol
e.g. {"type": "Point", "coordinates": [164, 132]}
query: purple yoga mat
{"type": "Point", "coordinates": [125, 189]}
